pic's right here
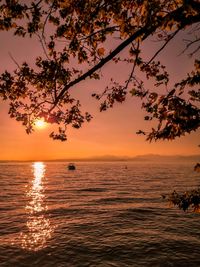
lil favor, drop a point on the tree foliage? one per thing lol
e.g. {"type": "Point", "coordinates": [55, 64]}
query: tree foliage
{"type": "Point", "coordinates": [84, 27]}
{"type": "Point", "coordinates": [188, 199]}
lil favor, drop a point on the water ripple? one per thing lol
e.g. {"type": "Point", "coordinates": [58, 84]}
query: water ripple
{"type": "Point", "coordinates": [100, 215]}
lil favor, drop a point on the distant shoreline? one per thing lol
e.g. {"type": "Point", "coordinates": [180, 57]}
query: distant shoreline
{"type": "Point", "coordinates": [151, 158]}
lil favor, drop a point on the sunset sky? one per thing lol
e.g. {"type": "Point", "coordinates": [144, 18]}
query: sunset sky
{"type": "Point", "coordinates": [109, 133]}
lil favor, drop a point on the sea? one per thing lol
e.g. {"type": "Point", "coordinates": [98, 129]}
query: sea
{"type": "Point", "coordinates": [103, 214]}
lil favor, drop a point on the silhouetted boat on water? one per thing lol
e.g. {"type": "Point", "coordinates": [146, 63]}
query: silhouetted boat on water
{"type": "Point", "coordinates": [71, 167]}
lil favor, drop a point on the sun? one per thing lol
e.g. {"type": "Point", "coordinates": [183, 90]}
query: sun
{"type": "Point", "coordinates": [40, 123]}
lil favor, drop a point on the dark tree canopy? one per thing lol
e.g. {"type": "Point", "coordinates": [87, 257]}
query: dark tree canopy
{"type": "Point", "coordinates": [84, 27]}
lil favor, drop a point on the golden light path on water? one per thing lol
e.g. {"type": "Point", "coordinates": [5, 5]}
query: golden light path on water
{"type": "Point", "coordinates": [39, 230]}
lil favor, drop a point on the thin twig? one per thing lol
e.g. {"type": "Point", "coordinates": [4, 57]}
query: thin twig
{"type": "Point", "coordinates": [134, 65]}
{"type": "Point", "coordinates": [45, 22]}
{"type": "Point", "coordinates": [163, 46]}
{"type": "Point", "coordinates": [43, 46]}
{"type": "Point", "coordinates": [101, 30]}
{"type": "Point", "coordinates": [14, 60]}
{"type": "Point", "coordinates": [190, 44]}
{"type": "Point", "coordinates": [194, 51]}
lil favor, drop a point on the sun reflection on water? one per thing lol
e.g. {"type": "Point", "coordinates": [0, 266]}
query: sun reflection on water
{"type": "Point", "coordinates": [38, 225]}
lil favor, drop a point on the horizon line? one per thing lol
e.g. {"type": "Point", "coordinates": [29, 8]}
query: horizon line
{"type": "Point", "coordinates": [104, 158]}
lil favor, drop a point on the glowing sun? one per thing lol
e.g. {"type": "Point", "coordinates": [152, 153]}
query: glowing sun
{"type": "Point", "coordinates": [40, 123]}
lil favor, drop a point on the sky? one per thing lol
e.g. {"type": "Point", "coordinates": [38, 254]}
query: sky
{"type": "Point", "coordinates": [109, 133]}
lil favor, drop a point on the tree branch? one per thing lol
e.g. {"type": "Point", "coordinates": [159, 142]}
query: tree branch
{"type": "Point", "coordinates": [163, 46]}
{"type": "Point", "coordinates": [102, 62]}
{"type": "Point", "coordinates": [190, 43]}
{"type": "Point", "coordinates": [145, 31]}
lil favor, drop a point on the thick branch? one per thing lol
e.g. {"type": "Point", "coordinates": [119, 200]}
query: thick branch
{"type": "Point", "coordinates": [103, 62]}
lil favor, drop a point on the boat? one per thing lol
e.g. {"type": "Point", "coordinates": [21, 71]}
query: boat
{"type": "Point", "coordinates": [71, 167]}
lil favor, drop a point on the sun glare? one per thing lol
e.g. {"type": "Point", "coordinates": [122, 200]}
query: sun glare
{"type": "Point", "coordinates": [40, 123]}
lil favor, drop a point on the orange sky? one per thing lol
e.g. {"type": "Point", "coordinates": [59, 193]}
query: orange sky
{"type": "Point", "coordinates": [109, 133]}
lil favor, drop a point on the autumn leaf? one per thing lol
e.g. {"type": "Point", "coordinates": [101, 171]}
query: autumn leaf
{"type": "Point", "coordinates": [101, 51]}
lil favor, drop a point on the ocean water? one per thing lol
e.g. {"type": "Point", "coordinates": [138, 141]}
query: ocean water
{"type": "Point", "coordinates": [101, 214]}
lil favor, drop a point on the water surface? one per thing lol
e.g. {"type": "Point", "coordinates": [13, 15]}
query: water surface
{"type": "Point", "coordinates": [101, 214]}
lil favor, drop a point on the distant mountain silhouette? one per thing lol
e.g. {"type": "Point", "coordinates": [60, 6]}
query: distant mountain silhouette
{"type": "Point", "coordinates": [147, 157]}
